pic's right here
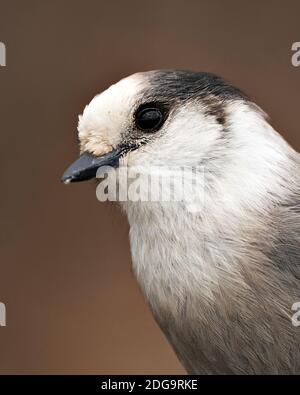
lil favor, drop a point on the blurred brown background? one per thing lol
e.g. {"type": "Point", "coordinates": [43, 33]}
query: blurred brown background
{"type": "Point", "coordinates": [72, 303]}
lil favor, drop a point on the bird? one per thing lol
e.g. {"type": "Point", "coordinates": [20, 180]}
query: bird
{"type": "Point", "coordinates": [220, 280]}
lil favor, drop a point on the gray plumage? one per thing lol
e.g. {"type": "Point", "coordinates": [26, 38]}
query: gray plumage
{"type": "Point", "coordinates": [221, 282]}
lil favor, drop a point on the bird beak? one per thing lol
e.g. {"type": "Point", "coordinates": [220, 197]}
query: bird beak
{"type": "Point", "coordinates": [86, 166]}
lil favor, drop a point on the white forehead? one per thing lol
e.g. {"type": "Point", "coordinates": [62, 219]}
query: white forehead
{"type": "Point", "coordinates": [104, 117]}
{"type": "Point", "coordinates": [117, 96]}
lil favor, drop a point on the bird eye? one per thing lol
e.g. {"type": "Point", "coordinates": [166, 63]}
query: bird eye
{"type": "Point", "coordinates": [149, 119]}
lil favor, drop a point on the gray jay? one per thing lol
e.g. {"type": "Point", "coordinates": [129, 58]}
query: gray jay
{"type": "Point", "coordinates": [221, 281]}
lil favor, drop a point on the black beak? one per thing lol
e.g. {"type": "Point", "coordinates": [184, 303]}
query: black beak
{"type": "Point", "coordinates": [86, 166]}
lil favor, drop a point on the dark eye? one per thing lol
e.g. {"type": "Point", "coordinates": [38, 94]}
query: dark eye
{"type": "Point", "coordinates": [149, 119]}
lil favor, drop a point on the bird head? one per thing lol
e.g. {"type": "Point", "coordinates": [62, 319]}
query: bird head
{"type": "Point", "coordinates": [181, 118]}
{"type": "Point", "coordinates": [174, 118]}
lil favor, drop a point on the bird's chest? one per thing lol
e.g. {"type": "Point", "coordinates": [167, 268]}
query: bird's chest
{"type": "Point", "coordinates": [178, 282]}
{"type": "Point", "coordinates": [172, 266]}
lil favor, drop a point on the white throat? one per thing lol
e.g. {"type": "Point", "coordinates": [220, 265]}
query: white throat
{"type": "Point", "coordinates": [174, 250]}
